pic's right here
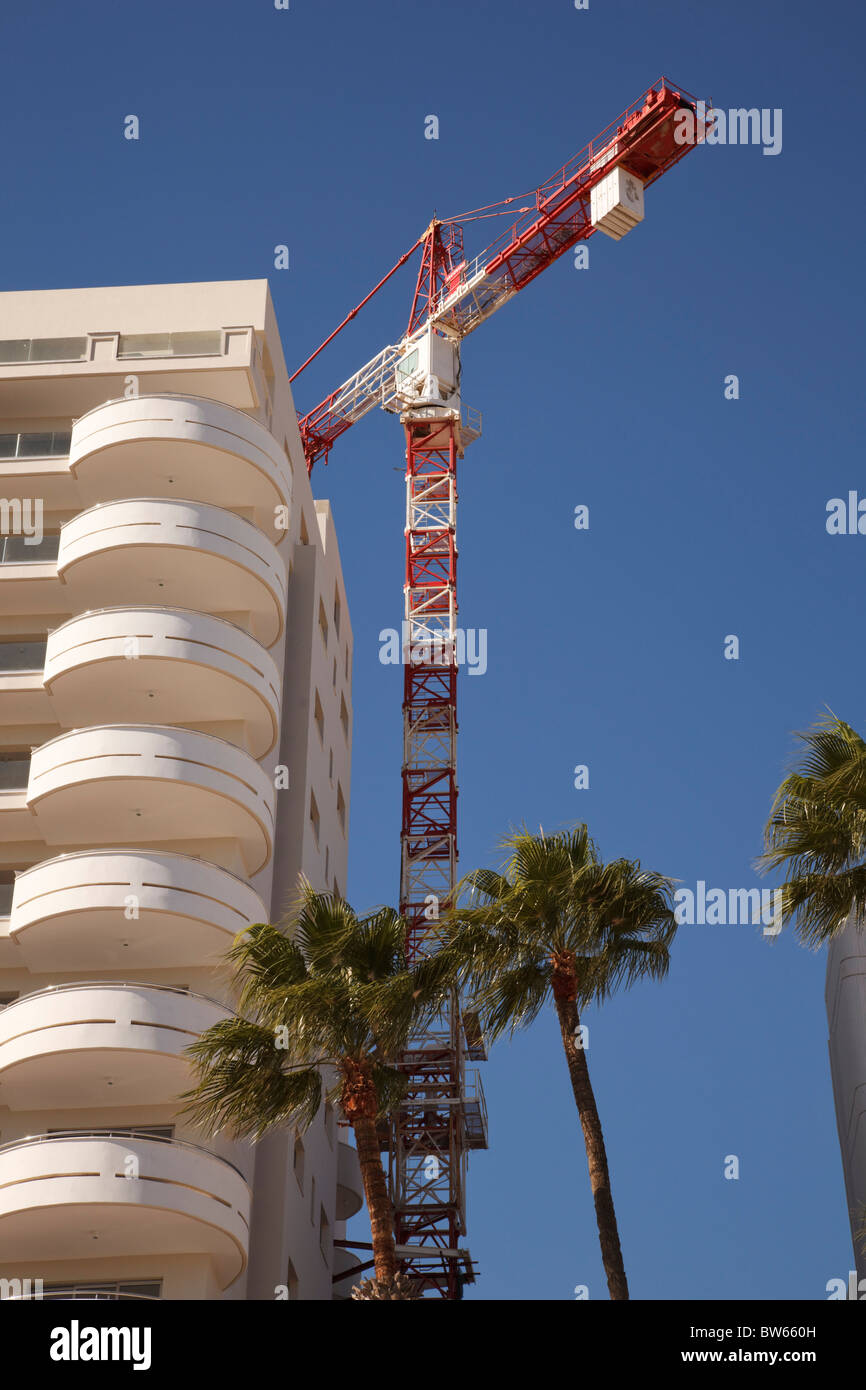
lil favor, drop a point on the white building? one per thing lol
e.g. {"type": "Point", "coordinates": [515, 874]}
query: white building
{"type": "Point", "coordinates": [174, 645]}
{"type": "Point", "coordinates": [846, 1015]}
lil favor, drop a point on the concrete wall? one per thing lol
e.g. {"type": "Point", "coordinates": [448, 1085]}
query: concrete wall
{"type": "Point", "coordinates": [846, 1015]}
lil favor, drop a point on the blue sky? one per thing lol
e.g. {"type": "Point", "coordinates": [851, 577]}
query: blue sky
{"type": "Point", "coordinates": [603, 387]}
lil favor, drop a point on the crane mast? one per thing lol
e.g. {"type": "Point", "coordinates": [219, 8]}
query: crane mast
{"type": "Point", "coordinates": [442, 1116]}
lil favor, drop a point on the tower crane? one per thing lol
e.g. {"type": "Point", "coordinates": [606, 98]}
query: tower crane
{"type": "Point", "coordinates": [418, 378]}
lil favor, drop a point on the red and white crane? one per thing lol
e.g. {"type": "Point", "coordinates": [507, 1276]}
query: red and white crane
{"type": "Point", "coordinates": [419, 379]}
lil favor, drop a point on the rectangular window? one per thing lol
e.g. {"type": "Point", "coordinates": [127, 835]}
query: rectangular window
{"type": "Point", "coordinates": [28, 655]}
{"type": "Point", "coordinates": [344, 716]}
{"type": "Point", "coordinates": [341, 808]}
{"type": "Point", "coordinates": [298, 1161]}
{"type": "Point", "coordinates": [14, 771]}
{"type": "Point", "coordinates": [7, 887]}
{"type": "Point", "coordinates": [319, 716]}
{"type": "Point", "coordinates": [35, 444]}
{"type": "Point", "coordinates": [337, 611]}
{"type": "Point", "coordinates": [268, 369]}
{"type": "Point", "coordinates": [314, 815]}
{"type": "Point", "coordinates": [19, 550]}
{"type": "Point", "coordinates": [330, 1123]}
{"type": "Point", "coordinates": [323, 623]}
{"type": "Point", "coordinates": [324, 1234]}
{"type": "Point", "coordinates": [207, 344]}
{"type": "Point", "coordinates": [43, 350]}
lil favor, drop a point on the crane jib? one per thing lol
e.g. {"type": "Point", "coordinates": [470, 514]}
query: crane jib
{"type": "Point", "coordinates": [642, 141]}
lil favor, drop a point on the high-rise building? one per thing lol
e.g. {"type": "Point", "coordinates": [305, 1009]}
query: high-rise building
{"type": "Point", "coordinates": [175, 747]}
{"type": "Point", "coordinates": [846, 1015]}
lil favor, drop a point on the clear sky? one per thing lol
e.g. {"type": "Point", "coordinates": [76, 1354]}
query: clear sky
{"type": "Point", "coordinates": [602, 387]}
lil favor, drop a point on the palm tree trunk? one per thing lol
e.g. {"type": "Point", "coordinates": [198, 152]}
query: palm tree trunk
{"type": "Point", "coordinates": [596, 1157]}
{"type": "Point", "coordinates": [376, 1193]}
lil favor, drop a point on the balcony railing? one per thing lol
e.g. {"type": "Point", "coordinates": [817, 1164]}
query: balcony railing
{"type": "Point", "coordinates": [41, 445]}
{"type": "Point", "coordinates": [116, 984]}
{"type": "Point", "coordinates": [42, 350]}
{"type": "Point", "coordinates": [205, 344]}
{"type": "Point", "coordinates": [21, 550]}
{"type": "Point", "coordinates": [62, 1135]}
{"type": "Point", "coordinates": [81, 1292]}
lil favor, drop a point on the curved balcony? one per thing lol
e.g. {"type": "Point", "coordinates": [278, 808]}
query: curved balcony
{"type": "Point", "coordinates": [140, 784]}
{"type": "Point", "coordinates": [165, 666]}
{"type": "Point", "coordinates": [71, 1193]}
{"type": "Point", "coordinates": [347, 1265]}
{"type": "Point", "coordinates": [147, 550]}
{"type": "Point", "coordinates": [350, 1189]}
{"type": "Point", "coordinates": [126, 909]}
{"type": "Point", "coordinates": [99, 1044]}
{"type": "Point", "coordinates": [181, 446]}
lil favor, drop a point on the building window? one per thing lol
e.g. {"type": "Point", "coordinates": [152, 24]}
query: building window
{"type": "Point", "coordinates": [341, 808]}
{"type": "Point", "coordinates": [330, 1123]}
{"type": "Point", "coordinates": [314, 816]}
{"type": "Point", "coordinates": [292, 1281]}
{"type": "Point", "coordinates": [327, 860]}
{"type": "Point", "coordinates": [331, 764]}
{"type": "Point", "coordinates": [319, 716]}
{"type": "Point", "coordinates": [348, 663]}
{"type": "Point", "coordinates": [335, 674]}
{"type": "Point", "coordinates": [22, 655]}
{"type": "Point", "coordinates": [313, 1200]}
{"type": "Point", "coordinates": [14, 771]}
{"type": "Point", "coordinates": [337, 612]}
{"type": "Point", "coordinates": [207, 343]}
{"type": "Point", "coordinates": [43, 350]}
{"type": "Point", "coordinates": [344, 716]}
{"type": "Point", "coordinates": [323, 623]}
{"type": "Point", "coordinates": [298, 1161]}
{"type": "Point", "coordinates": [7, 887]}
{"type": "Point", "coordinates": [324, 1234]}
{"type": "Point", "coordinates": [305, 535]}
{"type": "Point", "coordinates": [50, 444]}
{"type": "Point", "coordinates": [20, 550]}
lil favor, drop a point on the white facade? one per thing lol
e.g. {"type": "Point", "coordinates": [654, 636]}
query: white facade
{"type": "Point", "coordinates": [846, 1015]}
{"type": "Point", "coordinates": [175, 646]}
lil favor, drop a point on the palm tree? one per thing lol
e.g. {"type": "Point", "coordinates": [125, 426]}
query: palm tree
{"type": "Point", "coordinates": [558, 925]}
{"type": "Point", "coordinates": [817, 832]}
{"type": "Point", "coordinates": [330, 991]}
